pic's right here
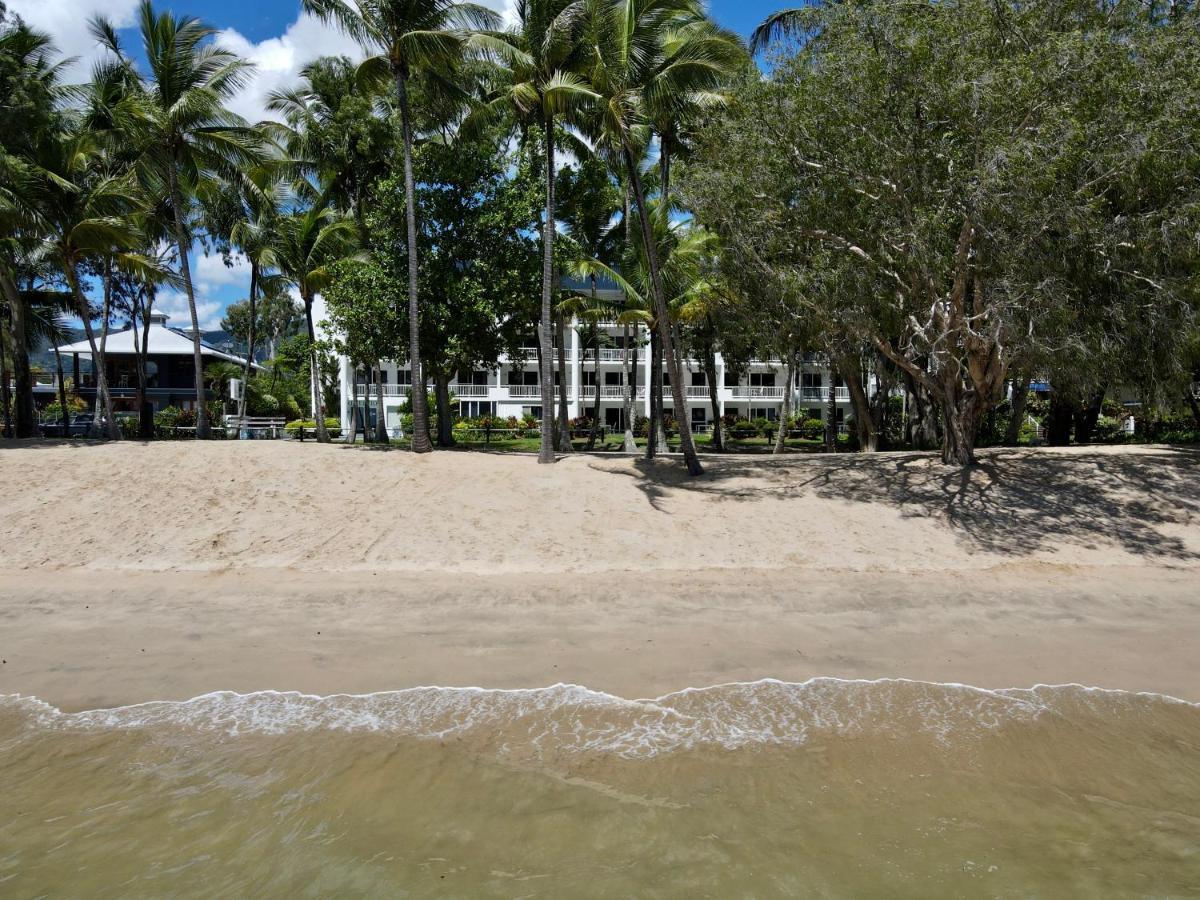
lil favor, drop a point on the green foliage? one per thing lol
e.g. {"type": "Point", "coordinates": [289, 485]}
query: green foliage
{"type": "Point", "coordinates": [333, 426]}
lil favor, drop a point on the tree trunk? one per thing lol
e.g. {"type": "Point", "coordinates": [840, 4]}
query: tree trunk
{"type": "Point", "coordinates": [315, 376]}
{"type": "Point", "coordinates": [546, 450]}
{"type": "Point", "coordinates": [1086, 416]}
{"type": "Point", "coordinates": [102, 395]}
{"type": "Point", "coordinates": [64, 415]}
{"type": "Point", "coordinates": [662, 315]}
{"type": "Point", "coordinates": [185, 269]}
{"type": "Point", "coordinates": [23, 410]}
{"type": "Point", "coordinates": [105, 315]}
{"type": "Point", "coordinates": [381, 432]}
{"type": "Point", "coordinates": [591, 444]}
{"type": "Point", "coordinates": [5, 391]}
{"type": "Point", "coordinates": [445, 425]}
{"type": "Point", "coordinates": [921, 427]}
{"type": "Point", "coordinates": [139, 365]}
{"type": "Point", "coordinates": [1020, 394]}
{"type": "Point", "coordinates": [831, 430]}
{"type": "Point", "coordinates": [241, 411]}
{"type": "Point", "coordinates": [864, 424]}
{"type": "Point", "coordinates": [1059, 421]}
{"type": "Point", "coordinates": [564, 416]}
{"type": "Point", "coordinates": [420, 407]}
{"type": "Point", "coordinates": [716, 442]}
{"type": "Point", "coordinates": [785, 408]}
{"type": "Point", "coordinates": [630, 445]}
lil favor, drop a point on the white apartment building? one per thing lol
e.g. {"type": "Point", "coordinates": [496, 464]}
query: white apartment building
{"type": "Point", "coordinates": [513, 389]}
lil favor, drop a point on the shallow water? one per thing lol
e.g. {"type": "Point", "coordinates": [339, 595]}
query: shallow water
{"type": "Point", "coordinates": [825, 788]}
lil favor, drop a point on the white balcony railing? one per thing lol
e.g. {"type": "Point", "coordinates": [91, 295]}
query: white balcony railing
{"type": "Point", "coordinates": [822, 393]}
{"type": "Point", "coordinates": [696, 390]}
{"type": "Point", "coordinates": [756, 392]}
{"type": "Point", "coordinates": [389, 390]}
{"type": "Point", "coordinates": [470, 390]}
{"type": "Point", "coordinates": [609, 392]}
{"type": "Point", "coordinates": [612, 354]}
{"type": "Point", "coordinates": [527, 391]}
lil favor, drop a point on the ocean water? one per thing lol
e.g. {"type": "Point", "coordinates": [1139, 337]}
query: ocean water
{"type": "Point", "coordinates": [826, 788]}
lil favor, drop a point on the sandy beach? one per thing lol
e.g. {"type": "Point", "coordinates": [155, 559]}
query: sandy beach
{"type": "Point", "coordinates": [131, 572]}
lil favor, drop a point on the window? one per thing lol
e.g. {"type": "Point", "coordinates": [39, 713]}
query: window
{"type": "Point", "coordinates": [762, 379]}
{"type": "Point", "coordinates": [699, 379]}
{"type": "Point", "coordinates": [517, 376]}
{"type": "Point", "coordinates": [613, 378]}
{"type": "Point", "coordinates": [589, 378]}
{"type": "Point", "coordinates": [404, 376]}
{"type": "Point", "coordinates": [535, 411]}
{"type": "Point", "coordinates": [699, 415]}
{"type": "Point", "coordinates": [810, 380]}
{"type": "Point", "coordinates": [473, 408]}
{"type": "Point", "coordinates": [770, 413]}
{"type": "Point", "coordinates": [731, 379]}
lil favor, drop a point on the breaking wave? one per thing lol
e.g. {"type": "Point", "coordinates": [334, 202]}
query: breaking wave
{"type": "Point", "coordinates": [569, 718]}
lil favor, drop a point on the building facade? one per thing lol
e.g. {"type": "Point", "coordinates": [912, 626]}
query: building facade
{"type": "Point", "coordinates": [513, 388]}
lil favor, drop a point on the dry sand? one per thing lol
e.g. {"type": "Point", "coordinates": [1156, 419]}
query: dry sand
{"type": "Point", "coordinates": [131, 571]}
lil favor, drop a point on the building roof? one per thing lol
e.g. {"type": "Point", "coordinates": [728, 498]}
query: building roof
{"type": "Point", "coordinates": [161, 341]}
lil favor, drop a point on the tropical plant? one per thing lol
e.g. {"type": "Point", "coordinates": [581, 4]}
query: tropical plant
{"type": "Point", "coordinates": [414, 36]}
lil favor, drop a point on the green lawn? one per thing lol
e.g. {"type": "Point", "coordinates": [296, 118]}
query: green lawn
{"type": "Point", "coordinates": [613, 442]}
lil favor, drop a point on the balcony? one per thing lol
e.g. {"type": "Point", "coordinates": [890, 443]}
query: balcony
{"type": "Point", "coordinates": [470, 390]}
{"type": "Point", "coordinates": [389, 390]}
{"type": "Point", "coordinates": [527, 391]}
{"type": "Point", "coordinates": [754, 392]}
{"type": "Point", "coordinates": [610, 392]}
{"type": "Point", "coordinates": [612, 354]}
{"type": "Point", "coordinates": [821, 394]}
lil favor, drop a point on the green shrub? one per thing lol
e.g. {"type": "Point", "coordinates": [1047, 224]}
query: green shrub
{"type": "Point", "coordinates": [332, 425]}
{"type": "Point", "coordinates": [811, 429]}
{"type": "Point", "coordinates": [762, 426]}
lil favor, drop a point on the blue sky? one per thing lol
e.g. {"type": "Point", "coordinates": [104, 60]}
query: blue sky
{"type": "Point", "coordinates": [279, 40]}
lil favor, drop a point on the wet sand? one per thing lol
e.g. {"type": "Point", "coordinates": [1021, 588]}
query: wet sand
{"type": "Point", "coordinates": [269, 565]}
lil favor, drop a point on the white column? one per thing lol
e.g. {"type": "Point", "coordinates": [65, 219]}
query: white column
{"type": "Point", "coordinates": [719, 387]}
{"type": "Point", "coordinates": [573, 407]}
{"type": "Point", "coordinates": [646, 372]}
{"type": "Point", "coordinates": [347, 392]}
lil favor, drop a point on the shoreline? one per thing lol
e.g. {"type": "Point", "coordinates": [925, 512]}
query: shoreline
{"type": "Point", "coordinates": [158, 636]}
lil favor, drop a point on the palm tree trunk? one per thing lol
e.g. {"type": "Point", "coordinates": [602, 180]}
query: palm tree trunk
{"type": "Point", "coordinates": [420, 405]}
{"type": "Point", "coordinates": [138, 362]}
{"type": "Point", "coordinates": [785, 408]}
{"type": "Point", "coordinates": [710, 375]}
{"type": "Point", "coordinates": [546, 450]}
{"type": "Point", "coordinates": [249, 340]}
{"type": "Point", "coordinates": [185, 269]}
{"type": "Point", "coordinates": [381, 434]}
{"type": "Point", "coordinates": [630, 445]}
{"type": "Point", "coordinates": [663, 320]}
{"type": "Point", "coordinates": [315, 375]}
{"type": "Point", "coordinates": [831, 431]}
{"type": "Point", "coordinates": [591, 444]}
{"type": "Point", "coordinates": [64, 415]}
{"type": "Point", "coordinates": [145, 414]}
{"type": "Point", "coordinates": [564, 418]}
{"type": "Point", "coordinates": [81, 308]}
{"type": "Point", "coordinates": [441, 393]}
{"type": "Point", "coordinates": [23, 402]}
{"type": "Point", "coordinates": [5, 392]}
{"type": "Point", "coordinates": [105, 314]}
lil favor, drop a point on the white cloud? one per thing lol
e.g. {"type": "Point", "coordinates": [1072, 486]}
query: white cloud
{"type": "Point", "coordinates": [210, 271]}
{"type": "Point", "coordinates": [175, 305]}
{"type": "Point", "coordinates": [278, 60]}
{"type": "Point", "coordinates": [66, 21]}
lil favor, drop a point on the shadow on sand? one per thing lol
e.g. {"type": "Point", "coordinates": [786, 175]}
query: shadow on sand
{"type": "Point", "coordinates": [1011, 502]}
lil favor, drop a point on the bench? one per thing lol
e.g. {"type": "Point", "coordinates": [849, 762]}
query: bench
{"type": "Point", "coordinates": [254, 426]}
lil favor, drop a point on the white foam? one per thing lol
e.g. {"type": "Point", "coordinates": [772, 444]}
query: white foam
{"type": "Point", "coordinates": [570, 718]}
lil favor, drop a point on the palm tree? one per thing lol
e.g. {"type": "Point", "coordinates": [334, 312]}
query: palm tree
{"type": "Point", "coordinates": [780, 24]}
{"type": "Point", "coordinates": [89, 215]}
{"type": "Point", "coordinates": [29, 83]}
{"type": "Point", "coordinates": [634, 68]}
{"type": "Point", "coordinates": [413, 36]}
{"type": "Point", "coordinates": [539, 57]}
{"type": "Point", "coordinates": [187, 135]}
{"type": "Point", "coordinates": [306, 244]}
